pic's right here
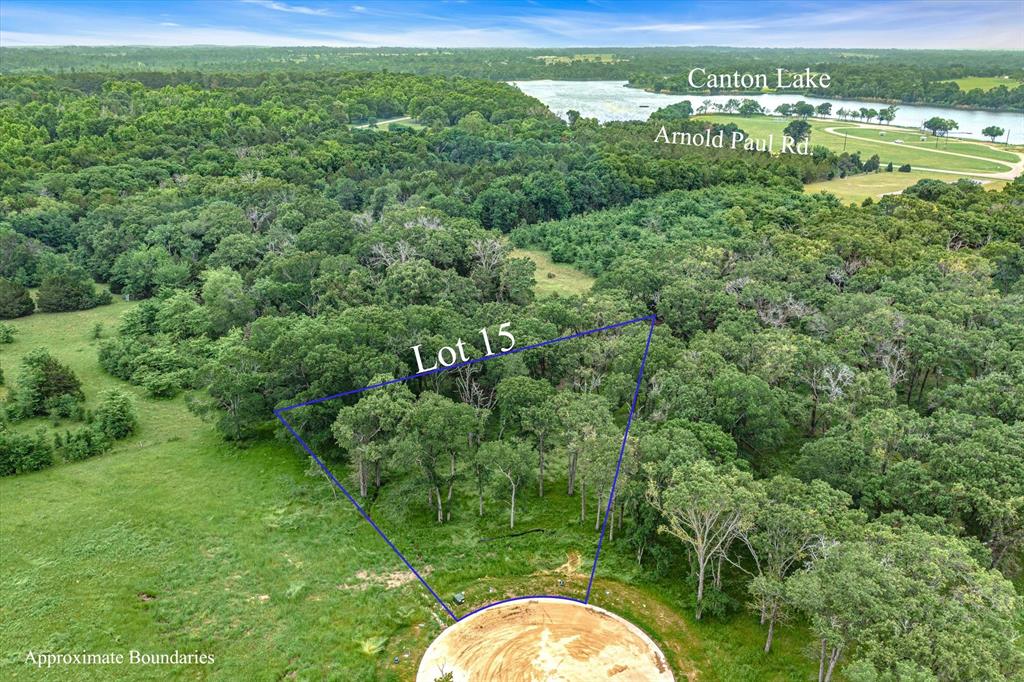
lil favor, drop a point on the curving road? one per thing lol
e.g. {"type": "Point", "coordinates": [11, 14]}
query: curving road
{"type": "Point", "coordinates": [1013, 172]}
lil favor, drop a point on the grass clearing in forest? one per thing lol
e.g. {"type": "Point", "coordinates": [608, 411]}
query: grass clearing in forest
{"type": "Point", "coordinates": [857, 188]}
{"type": "Point", "coordinates": [555, 278]}
{"type": "Point", "coordinates": [176, 539]}
{"type": "Point", "coordinates": [985, 83]}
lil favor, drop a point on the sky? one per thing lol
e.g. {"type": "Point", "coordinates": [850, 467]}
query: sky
{"type": "Point", "coordinates": [982, 24]}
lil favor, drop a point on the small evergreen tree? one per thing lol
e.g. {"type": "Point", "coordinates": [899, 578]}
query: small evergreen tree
{"type": "Point", "coordinates": [116, 417]}
{"type": "Point", "coordinates": [15, 300]}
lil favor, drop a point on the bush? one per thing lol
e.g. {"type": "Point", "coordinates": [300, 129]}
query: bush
{"type": "Point", "coordinates": [84, 443]}
{"type": "Point", "coordinates": [64, 406]}
{"type": "Point", "coordinates": [20, 453]}
{"type": "Point", "coordinates": [69, 289]}
{"type": "Point", "coordinates": [905, 168]}
{"type": "Point", "coordinates": [116, 417]}
{"type": "Point", "coordinates": [15, 300]}
{"type": "Point", "coordinates": [42, 379]}
{"type": "Point", "coordinates": [7, 333]}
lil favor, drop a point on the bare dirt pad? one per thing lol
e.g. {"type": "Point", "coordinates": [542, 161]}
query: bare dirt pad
{"type": "Point", "coordinates": [544, 640]}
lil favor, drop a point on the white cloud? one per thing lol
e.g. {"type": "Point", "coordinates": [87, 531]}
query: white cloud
{"type": "Point", "coordinates": [162, 37]}
{"type": "Point", "coordinates": [292, 9]}
{"type": "Point", "coordinates": [169, 23]}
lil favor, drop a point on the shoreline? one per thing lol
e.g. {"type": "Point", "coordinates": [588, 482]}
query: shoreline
{"type": "Point", "coordinates": [875, 100]}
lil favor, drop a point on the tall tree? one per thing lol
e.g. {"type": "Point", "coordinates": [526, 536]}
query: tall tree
{"type": "Point", "coordinates": [365, 430]}
{"type": "Point", "coordinates": [707, 508]}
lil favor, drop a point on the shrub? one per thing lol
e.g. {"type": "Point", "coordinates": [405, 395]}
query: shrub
{"type": "Point", "coordinates": [905, 168]}
{"type": "Point", "coordinates": [14, 300]}
{"type": "Point", "coordinates": [7, 333]}
{"type": "Point", "coordinates": [64, 406]}
{"type": "Point", "coordinates": [116, 417]}
{"type": "Point", "coordinates": [69, 289]}
{"type": "Point", "coordinates": [84, 443]}
{"type": "Point", "coordinates": [20, 453]}
{"type": "Point", "coordinates": [42, 379]}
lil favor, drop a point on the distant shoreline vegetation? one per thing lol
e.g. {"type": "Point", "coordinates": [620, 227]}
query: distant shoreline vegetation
{"type": "Point", "coordinates": [924, 77]}
{"type": "Point", "coordinates": [814, 93]}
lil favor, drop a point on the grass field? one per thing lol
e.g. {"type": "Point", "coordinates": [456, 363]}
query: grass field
{"type": "Point", "coordinates": [555, 278]}
{"type": "Point", "coordinates": [762, 126]}
{"type": "Point", "coordinates": [912, 138]}
{"type": "Point", "coordinates": [177, 540]}
{"type": "Point", "coordinates": [985, 83]}
{"type": "Point", "coordinates": [857, 188]}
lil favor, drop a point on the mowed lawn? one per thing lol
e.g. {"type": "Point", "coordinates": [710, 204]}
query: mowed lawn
{"type": "Point", "coordinates": [176, 540]}
{"type": "Point", "coordinates": [762, 126]}
{"type": "Point", "coordinates": [912, 138]}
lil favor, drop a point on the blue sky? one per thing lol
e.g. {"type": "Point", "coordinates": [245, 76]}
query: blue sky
{"type": "Point", "coordinates": [517, 23]}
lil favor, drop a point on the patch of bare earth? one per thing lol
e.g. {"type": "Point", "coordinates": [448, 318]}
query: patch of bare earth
{"type": "Point", "coordinates": [388, 580]}
{"type": "Point", "coordinates": [544, 639]}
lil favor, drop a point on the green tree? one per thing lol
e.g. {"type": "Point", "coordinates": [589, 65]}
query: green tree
{"type": "Point", "coordinates": [15, 300]}
{"type": "Point", "coordinates": [798, 130]}
{"type": "Point", "coordinates": [68, 289]}
{"type": "Point", "coordinates": [42, 381]}
{"type": "Point", "coordinates": [365, 430]}
{"type": "Point", "coordinates": [436, 434]}
{"type": "Point", "coordinates": [992, 132]}
{"type": "Point", "coordinates": [226, 300]}
{"type": "Point", "coordinates": [513, 463]}
{"type": "Point", "coordinates": [707, 508]}
{"type": "Point", "coordinates": [115, 415]}
{"type": "Point", "coordinates": [909, 604]}
{"type": "Point", "coordinates": [794, 523]}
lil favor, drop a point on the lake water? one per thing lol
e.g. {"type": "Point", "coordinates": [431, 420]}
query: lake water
{"type": "Point", "coordinates": [612, 101]}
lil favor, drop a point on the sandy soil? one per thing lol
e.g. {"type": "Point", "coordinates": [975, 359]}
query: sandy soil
{"type": "Point", "coordinates": [544, 640]}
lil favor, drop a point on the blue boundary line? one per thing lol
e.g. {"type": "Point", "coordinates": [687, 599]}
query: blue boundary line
{"type": "Point", "coordinates": [651, 319]}
{"type": "Point", "coordinates": [618, 465]}
{"type": "Point", "coordinates": [463, 364]}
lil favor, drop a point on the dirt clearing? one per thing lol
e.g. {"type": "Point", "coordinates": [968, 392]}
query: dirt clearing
{"type": "Point", "coordinates": [544, 640]}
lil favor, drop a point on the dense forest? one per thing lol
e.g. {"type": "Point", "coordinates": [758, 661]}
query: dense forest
{"type": "Point", "coordinates": [911, 76]}
{"type": "Point", "coordinates": [832, 417]}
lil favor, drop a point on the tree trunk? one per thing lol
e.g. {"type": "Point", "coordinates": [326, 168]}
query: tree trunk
{"type": "Point", "coordinates": [814, 411]}
{"type": "Point", "coordinates": [362, 478]}
{"type": "Point", "coordinates": [451, 487]}
{"type": "Point", "coordinates": [771, 629]}
{"type": "Point", "coordinates": [597, 509]}
{"type": "Point", "coordinates": [920, 391]}
{"type": "Point", "coordinates": [583, 502]}
{"type": "Point", "coordinates": [540, 479]}
{"type": "Point", "coordinates": [701, 565]}
{"type": "Point", "coordinates": [910, 385]}
{"type": "Point", "coordinates": [480, 494]}
{"type": "Point", "coordinates": [376, 473]}
{"type": "Point", "coordinates": [440, 505]}
{"type": "Point", "coordinates": [572, 474]}
{"type": "Point", "coordinates": [821, 663]}
{"type": "Point", "coordinates": [512, 513]}
{"type": "Point", "coordinates": [832, 663]}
